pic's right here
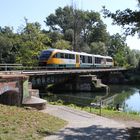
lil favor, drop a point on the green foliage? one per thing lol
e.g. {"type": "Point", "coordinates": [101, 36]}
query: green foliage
{"type": "Point", "coordinates": [32, 41]}
{"type": "Point", "coordinates": [62, 44]}
{"type": "Point", "coordinates": [54, 37]}
{"type": "Point", "coordinates": [121, 53]}
{"type": "Point", "coordinates": [128, 19]}
{"type": "Point", "coordinates": [7, 45]}
{"type": "Point", "coordinates": [111, 113]}
{"type": "Point", "coordinates": [132, 58]}
{"type": "Point", "coordinates": [116, 44]}
{"type": "Point", "coordinates": [120, 59]}
{"type": "Point", "coordinates": [60, 102]}
{"type": "Point", "coordinates": [138, 67]}
{"type": "Point", "coordinates": [98, 48]}
{"type": "Point", "coordinates": [77, 26]}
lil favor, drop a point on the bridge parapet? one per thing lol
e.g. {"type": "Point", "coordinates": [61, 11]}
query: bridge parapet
{"type": "Point", "coordinates": [15, 90]}
{"type": "Point", "coordinates": [11, 89]}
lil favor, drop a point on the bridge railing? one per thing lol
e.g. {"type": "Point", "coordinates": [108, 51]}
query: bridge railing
{"type": "Point", "coordinates": [8, 66]}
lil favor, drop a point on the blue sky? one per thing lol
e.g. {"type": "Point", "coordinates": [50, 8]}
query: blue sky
{"type": "Point", "coordinates": [12, 12]}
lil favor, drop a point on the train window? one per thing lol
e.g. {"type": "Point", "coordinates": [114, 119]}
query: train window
{"type": "Point", "coordinates": [62, 55]}
{"type": "Point", "coordinates": [98, 60]}
{"type": "Point", "coordinates": [83, 59]}
{"type": "Point", "coordinates": [66, 55]}
{"type": "Point", "coordinates": [109, 60]}
{"type": "Point", "coordinates": [89, 59]}
{"type": "Point", "coordinates": [57, 55]}
{"type": "Point", "coordinates": [45, 55]}
{"type": "Point", "coordinates": [71, 56]}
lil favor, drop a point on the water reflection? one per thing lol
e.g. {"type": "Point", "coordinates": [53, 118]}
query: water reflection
{"type": "Point", "coordinates": [133, 102]}
{"type": "Point", "coordinates": [127, 97]}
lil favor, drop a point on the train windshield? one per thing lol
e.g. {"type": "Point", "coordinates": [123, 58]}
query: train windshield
{"type": "Point", "coordinates": [45, 55]}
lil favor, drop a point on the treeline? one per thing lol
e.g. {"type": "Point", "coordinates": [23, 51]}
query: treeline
{"type": "Point", "coordinates": [68, 28]}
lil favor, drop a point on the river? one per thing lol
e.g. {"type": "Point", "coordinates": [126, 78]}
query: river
{"type": "Point", "coordinates": [127, 97]}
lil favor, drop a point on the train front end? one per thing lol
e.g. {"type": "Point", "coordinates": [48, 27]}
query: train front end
{"type": "Point", "coordinates": [44, 57]}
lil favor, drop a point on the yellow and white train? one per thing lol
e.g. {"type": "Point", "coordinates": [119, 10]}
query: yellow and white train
{"type": "Point", "coordinates": [55, 58]}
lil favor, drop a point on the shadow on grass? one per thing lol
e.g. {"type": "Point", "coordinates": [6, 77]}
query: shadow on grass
{"type": "Point", "coordinates": [93, 133]}
{"type": "Point", "coordinates": [134, 133]}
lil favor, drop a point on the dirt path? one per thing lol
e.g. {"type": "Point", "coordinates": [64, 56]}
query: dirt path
{"type": "Point", "coordinates": [85, 126]}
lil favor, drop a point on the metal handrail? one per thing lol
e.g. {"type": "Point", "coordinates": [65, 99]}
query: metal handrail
{"type": "Point", "coordinates": [8, 65]}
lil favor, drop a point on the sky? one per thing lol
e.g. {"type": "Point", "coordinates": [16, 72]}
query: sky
{"type": "Point", "coordinates": [13, 12]}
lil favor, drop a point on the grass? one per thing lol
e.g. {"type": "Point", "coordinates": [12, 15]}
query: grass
{"type": "Point", "coordinates": [22, 124]}
{"type": "Point", "coordinates": [113, 114]}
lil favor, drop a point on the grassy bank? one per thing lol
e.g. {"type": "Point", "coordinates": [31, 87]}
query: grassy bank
{"type": "Point", "coordinates": [21, 124]}
{"type": "Point", "coordinates": [118, 115]}
{"type": "Point", "coordinates": [105, 112]}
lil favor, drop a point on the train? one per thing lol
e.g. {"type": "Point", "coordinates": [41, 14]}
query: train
{"type": "Point", "coordinates": [56, 58]}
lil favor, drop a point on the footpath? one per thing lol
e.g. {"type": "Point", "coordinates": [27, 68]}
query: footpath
{"type": "Point", "coordinates": [85, 126]}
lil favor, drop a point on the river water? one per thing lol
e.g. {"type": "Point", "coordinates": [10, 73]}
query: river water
{"type": "Point", "coordinates": [127, 97]}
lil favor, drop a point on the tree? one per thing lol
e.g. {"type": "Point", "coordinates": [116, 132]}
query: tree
{"type": "Point", "coordinates": [7, 45]}
{"type": "Point", "coordinates": [77, 26]}
{"type": "Point", "coordinates": [32, 41]}
{"type": "Point", "coordinates": [128, 19]}
{"type": "Point", "coordinates": [65, 19]}
{"type": "Point", "coordinates": [116, 44]}
{"type": "Point", "coordinates": [120, 59]}
{"type": "Point", "coordinates": [98, 33]}
{"type": "Point", "coordinates": [118, 49]}
{"type": "Point", "coordinates": [132, 60]}
{"type": "Point", "coordinates": [54, 36]}
{"type": "Point", "coordinates": [98, 48]}
{"type": "Point", "coordinates": [62, 44]}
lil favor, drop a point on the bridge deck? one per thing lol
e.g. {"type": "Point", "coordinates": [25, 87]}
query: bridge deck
{"type": "Point", "coordinates": [68, 71]}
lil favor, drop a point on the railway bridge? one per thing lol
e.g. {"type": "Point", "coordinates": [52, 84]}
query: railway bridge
{"type": "Point", "coordinates": [17, 82]}
{"type": "Point", "coordinates": [40, 78]}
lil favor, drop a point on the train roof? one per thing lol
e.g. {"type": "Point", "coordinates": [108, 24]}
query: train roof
{"type": "Point", "coordinates": [108, 57]}
{"type": "Point", "coordinates": [52, 49]}
{"type": "Point", "coordinates": [67, 51]}
{"type": "Point", "coordinates": [80, 53]}
{"type": "Point", "coordinates": [102, 56]}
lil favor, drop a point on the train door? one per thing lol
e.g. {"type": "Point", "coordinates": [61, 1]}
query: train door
{"type": "Point", "coordinates": [77, 61]}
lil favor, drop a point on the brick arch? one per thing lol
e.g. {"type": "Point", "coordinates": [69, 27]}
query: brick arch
{"type": "Point", "coordinates": [10, 97]}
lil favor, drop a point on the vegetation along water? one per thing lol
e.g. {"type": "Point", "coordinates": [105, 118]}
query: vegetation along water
{"type": "Point", "coordinates": [126, 97]}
